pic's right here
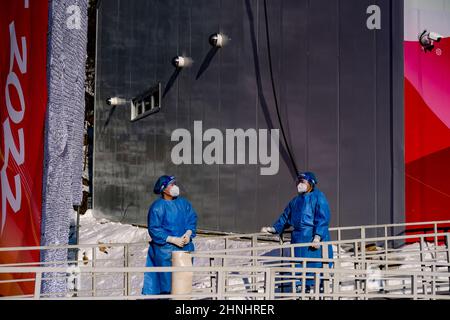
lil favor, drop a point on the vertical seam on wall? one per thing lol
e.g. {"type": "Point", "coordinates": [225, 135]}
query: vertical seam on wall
{"type": "Point", "coordinates": [257, 121]}
{"type": "Point", "coordinates": [338, 193]}
{"type": "Point", "coordinates": [375, 125]}
{"type": "Point", "coordinates": [391, 97]}
{"type": "Point", "coordinates": [281, 86]}
{"type": "Point", "coordinates": [181, 39]}
{"type": "Point", "coordinates": [307, 89]}
{"type": "Point", "coordinates": [220, 118]}
{"type": "Point", "coordinates": [178, 79]}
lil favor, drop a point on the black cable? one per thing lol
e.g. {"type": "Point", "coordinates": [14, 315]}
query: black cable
{"type": "Point", "coordinates": [274, 90]}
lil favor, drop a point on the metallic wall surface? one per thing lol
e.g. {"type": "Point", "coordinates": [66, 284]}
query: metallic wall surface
{"type": "Point", "coordinates": [339, 85]}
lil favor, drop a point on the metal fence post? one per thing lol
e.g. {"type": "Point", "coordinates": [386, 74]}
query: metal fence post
{"type": "Point", "coordinates": [356, 266]}
{"type": "Point", "coordinates": [326, 266]}
{"type": "Point", "coordinates": [447, 246]}
{"type": "Point", "coordinates": [304, 265]}
{"type": "Point", "coordinates": [211, 278]}
{"type": "Point", "coordinates": [224, 262]}
{"type": "Point", "coordinates": [386, 247]}
{"type": "Point", "coordinates": [225, 253]}
{"type": "Point", "coordinates": [433, 280]}
{"type": "Point", "coordinates": [316, 285]}
{"type": "Point", "coordinates": [94, 255]}
{"type": "Point", "coordinates": [422, 266]}
{"type": "Point", "coordinates": [270, 288]}
{"type": "Point", "coordinates": [336, 279]}
{"type": "Point", "coordinates": [127, 286]}
{"type": "Point", "coordinates": [220, 284]}
{"type": "Point", "coordinates": [436, 243]}
{"type": "Point", "coordinates": [37, 285]}
{"type": "Point", "coordinates": [339, 244]}
{"type": "Point", "coordinates": [363, 247]}
{"type": "Point", "coordinates": [414, 286]}
{"type": "Point", "coordinates": [254, 243]}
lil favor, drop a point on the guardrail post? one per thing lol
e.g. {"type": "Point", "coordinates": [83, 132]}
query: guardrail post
{"type": "Point", "coordinates": [386, 247]}
{"type": "Point", "coordinates": [316, 285]}
{"type": "Point", "coordinates": [254, 262]}
{"type": "Point", "coordinates": [94, 277]}
{"type": "Point", "coordinates": [224, 262]}
{"type": "Point", "coordinates": [127, 286]}
{"type": "Point", "coordinates": [220, 284]}
{"type": "Point", "coordinates": [436, 243]}
{"type": "Point", "coordinates": [326, 266]}
{"type": "Point", "coordinates": [339, 244]}
{"type": "Point", "coordinates": [414, 286]}
{"type": "Point", "coordinates": [225, 253]}
{"type": "Point", "coordinates": [356, 266]}
{"type": "Point", "coordinates": [447, 246]}
{"type": "Point", "coordinates": [422, 266]}
{"type": "Point", "coordinates": [336, 279]}
{"type": "Point", "coordinates": [363, 247]}
{"type": "Point", "coordinates": [211, 278]}
{"type": "Point", "coordinates": [270, 287]}
{"type": "Point", "coordinates": [433, 280]}
{"type": "Point", "coordinates": [37, 285]}
{"type": "Point", "coordinates": [304, 265]}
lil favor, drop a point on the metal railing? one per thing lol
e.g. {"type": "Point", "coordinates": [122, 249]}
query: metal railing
{"type": "Point", "coordinates": [360, 231]}
{"type": "Point", "coordinates": [429, 285]}
{"type": "Point", "coordinates": [353, 267]}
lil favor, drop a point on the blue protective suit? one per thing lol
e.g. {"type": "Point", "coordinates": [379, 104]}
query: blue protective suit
{"type": "Point", "coordinates": [309, 215]}
{"type": "Point", "coordinates": [166, 218]}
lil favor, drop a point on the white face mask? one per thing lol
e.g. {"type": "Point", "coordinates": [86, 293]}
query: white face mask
{"type": "Point", "coordinates": [174, 191]}
{"type": "Point", "coordinates": [302, 187]}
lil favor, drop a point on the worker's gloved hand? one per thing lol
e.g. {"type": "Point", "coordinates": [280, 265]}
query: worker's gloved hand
{"type": "Point", "coordinates": [179, 242]}
{"type": "Point", "coordinates": [268, 230]}
{"type": "Point", "coordinates": [187, 237]}
{"type": "Point", "coordinates": [316, 242]}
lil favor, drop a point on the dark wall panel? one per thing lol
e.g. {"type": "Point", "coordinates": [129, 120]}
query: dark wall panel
{"type": "Point", "coordinates": [357, 121]}
{"type": "Point", "coordinates": [338, 84]}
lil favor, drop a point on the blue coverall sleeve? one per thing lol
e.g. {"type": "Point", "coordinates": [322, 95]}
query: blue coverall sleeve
{"type": "Point", "coordinates": [283, 221]}
{"type": "Point", "coordinates": [191, 220]}
{"type": "Point", "coordinates": [321, 217]}
{"type": "Point", "coordinates": [155, 229]}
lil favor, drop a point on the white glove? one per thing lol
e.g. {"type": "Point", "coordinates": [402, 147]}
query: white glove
{"type": "Point", "coordinates": [316, 242]}
{"type": "Point", "coordinates": [179, 242]}
{"type": "Point", "coordinates": [187, 237]}
{"type": "Point", "coordinates": [268, 230]}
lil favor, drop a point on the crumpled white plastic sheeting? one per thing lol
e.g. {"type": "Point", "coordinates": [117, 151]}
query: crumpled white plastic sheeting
{"type": "Point", "coordinates": [62, 183]}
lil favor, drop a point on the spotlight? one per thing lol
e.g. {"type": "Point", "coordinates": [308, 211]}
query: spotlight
{"type": "Point", "coordinates": [181, 62]}
{"type": "Point", "coordinates": [427, 39]}
{"type": "Point", "coordinates": [218, 40]}
{"type": "Point", "coordinates": [116, 101]}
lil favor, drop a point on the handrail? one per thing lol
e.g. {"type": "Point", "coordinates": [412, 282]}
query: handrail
{"type": "Point", "coordinates": [324, 243]}
{"type": "Point", "coordinates": [223, 269]}
{"type": "Point", "coordinates": [231, 236]}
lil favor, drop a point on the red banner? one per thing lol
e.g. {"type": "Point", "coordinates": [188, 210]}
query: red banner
{"type": "Point", "coordinates": [23, 102]}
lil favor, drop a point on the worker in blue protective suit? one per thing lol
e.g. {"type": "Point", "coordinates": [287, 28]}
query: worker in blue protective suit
{"type": "Point", "coordinates": [309, 214]}
{"type": "Point", "coordinates": [172, 224]}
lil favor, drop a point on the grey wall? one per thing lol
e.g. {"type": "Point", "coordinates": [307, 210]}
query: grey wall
{"type": "Point", "coordinates": [340, 88]}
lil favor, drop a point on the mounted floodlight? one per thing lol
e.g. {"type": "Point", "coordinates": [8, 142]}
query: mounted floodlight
{"type": "Point", "coordinates": [116, 101]}
{"type": "Point", "coordinates": [181, 62]}
{"type": "Point", "coordinates": [218, 40]}
{"type": "Point", "coordinates": [427, 39]}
